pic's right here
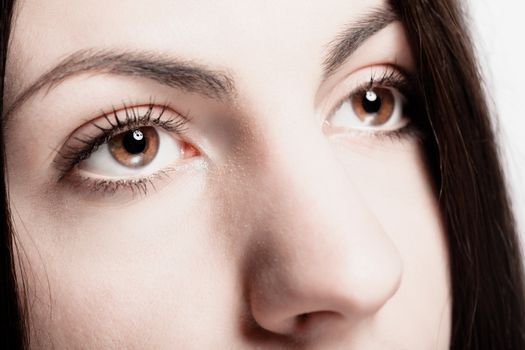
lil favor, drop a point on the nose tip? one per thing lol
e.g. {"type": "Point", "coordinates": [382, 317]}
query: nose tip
{"type": "Point", "coordinates": [319, 257]}
{"type": "Point", "coordinates": [300, 298]}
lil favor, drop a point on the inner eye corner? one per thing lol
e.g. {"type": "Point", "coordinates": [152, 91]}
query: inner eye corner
{"type": "Point", "coordinates": [189, 150]}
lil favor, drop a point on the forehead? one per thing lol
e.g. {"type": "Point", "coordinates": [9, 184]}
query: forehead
{"type": "Point", "coordinates": [232, 34]}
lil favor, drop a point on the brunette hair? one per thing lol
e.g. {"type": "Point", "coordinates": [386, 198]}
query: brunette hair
{"type": "Point", "coordinates": [488, 293]}
{"type": "Point", "coordinates": [12, 330]}
{"type": "Point", "coordinates": [485, 262]}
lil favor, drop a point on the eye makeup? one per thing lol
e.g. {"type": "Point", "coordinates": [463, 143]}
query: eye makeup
{"type": "Point", "coordinates": [102, 133]}
{"type": "Point", "coordinates": [382, 84]}
{"type": "Point", "coordinates": [85, 142]}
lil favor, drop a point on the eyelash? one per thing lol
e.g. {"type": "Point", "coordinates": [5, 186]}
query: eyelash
{"type": "Point", "coordinates": [177, 124]}
{"type": "Point", "coordinates": [136, 186]}
{"type": "Point", "coordinates": [73, 155]}
{"type": "Point", "coordinates": [405, 84]}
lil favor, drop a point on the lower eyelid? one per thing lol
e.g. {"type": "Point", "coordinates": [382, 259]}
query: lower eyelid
{"type": "Point", "coordinates": [363, 137]}
{"type": "Point", "coordinates": [128, 189]}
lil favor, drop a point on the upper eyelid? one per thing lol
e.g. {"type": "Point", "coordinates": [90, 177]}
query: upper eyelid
{"type": "Point", "coordinates": [131, 110]}
{"type": "Point", "coordinates": [112, 119]}
{"type": "Point", "coordinates": [139, 121]}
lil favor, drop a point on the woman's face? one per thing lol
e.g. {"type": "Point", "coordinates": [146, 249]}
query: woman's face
{"type": "Point", "coordinates": [221, 175]}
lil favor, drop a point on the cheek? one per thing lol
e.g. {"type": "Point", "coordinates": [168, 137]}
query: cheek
{"type": "Point", "coordinates": [394, 182]}
{"type": "Point", "coordinates": [128, 275]}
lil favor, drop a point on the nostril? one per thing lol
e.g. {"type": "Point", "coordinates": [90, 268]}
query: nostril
{"type": "Point", "coordinates": [301, 321]}
{"type": "Point", "coordinates": [302, 317]}
{"type": "Point", "coordinates": [304, 323]}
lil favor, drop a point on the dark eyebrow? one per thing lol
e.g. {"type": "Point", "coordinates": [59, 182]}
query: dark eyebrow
{"type": "Point", "coordinates": [163, 69]}
{"type": "Point", "coordinates": [352, 37]}
{"type": "Point", "coordinates": [188, 76]}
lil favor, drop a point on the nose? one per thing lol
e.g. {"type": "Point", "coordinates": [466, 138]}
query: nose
{"type": "Point", "coordinates": [321, 257]}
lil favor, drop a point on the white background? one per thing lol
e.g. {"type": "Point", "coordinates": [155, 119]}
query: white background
{"type": "Point", "coordinates": [499, 33]}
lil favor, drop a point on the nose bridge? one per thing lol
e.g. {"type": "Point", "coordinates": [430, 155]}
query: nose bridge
{"type": "Point", "coordinates": [304, 178]}
{"type": "Point", "coordinates": [307, 190]}
{"type": "Point", "coordinates": [320, 249]}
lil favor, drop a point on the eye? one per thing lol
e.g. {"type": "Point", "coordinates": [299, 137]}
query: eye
{"type": "Point", "coordinates": [136, 152]}
{"type": "Point", "coordinates": [374, 108]}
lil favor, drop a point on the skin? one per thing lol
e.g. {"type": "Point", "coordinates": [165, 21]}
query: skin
{"type": "Point", "coordinates": [281, 232]}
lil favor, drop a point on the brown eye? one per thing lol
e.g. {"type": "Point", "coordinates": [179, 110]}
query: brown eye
{"type": "Point", "coordinates": [137, 152]}
{"type": "Point", "coordinates": [135, 148]}
{"type": "Point", "coordinates": [374, 107]}
{"type": "Point", "coordinates": [378, 109]}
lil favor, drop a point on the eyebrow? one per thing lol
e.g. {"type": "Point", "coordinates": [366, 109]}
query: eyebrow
{"type": "Point", "coordinates": [189, 76]}
{"type": "Point", "coordinates": [354, 35]}
{"type": "Point", "coordinates": [163, 69]}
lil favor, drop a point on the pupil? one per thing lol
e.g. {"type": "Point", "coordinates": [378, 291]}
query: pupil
{"type": "Point", "coordinates": [134, 141]}
{"type": "Point", "coordinates": [371, 102]}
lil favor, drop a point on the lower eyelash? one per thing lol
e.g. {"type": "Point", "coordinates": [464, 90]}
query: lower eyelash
{"type": "Point", "coordinates": [138, 187]}
{"type": "Point", "coordinates": [411, 130]}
